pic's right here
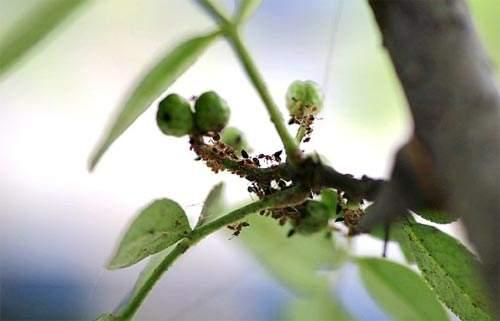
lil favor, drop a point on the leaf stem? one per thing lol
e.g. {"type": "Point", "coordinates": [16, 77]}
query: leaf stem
{"type": "Point", "coordinates": [301, 132]}
{"type": "Point", "coordinates": [288, 141]}
{"type": "Point", "coordinates": [129, 311]}
{"type": "Point", "coordinates": [234, 38]}
{"type": "Point", "coordinates": [289, 196]}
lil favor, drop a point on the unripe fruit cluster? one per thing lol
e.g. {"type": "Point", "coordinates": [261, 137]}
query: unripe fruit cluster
{"type": "Point", "coordinates": [304, 98]}
{"type": "Point", "coordinates": [176, 118]}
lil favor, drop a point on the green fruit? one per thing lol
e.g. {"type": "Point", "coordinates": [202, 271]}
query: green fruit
{"type": "Point", "coordinates": [174, 116]}
{"type": "Point", "coordinates": [211, 112]}
{"type": "Point", "coordinates": [304, 98]}
{"type": "Point", "coordinates": [235, 138]}
{"type": "Point", "coordinates": [314, 218]}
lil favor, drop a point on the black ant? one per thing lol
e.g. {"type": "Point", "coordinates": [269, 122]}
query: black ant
{"type": "Point", "coordinates": [237, 227]}
{"type": "Point", "coordinates": [244, 153]}
{"type": "Point", "coordinates": [277, 156]}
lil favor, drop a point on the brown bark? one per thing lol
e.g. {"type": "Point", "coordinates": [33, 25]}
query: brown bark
{"type": "Point", "coordinates": [453, 160]}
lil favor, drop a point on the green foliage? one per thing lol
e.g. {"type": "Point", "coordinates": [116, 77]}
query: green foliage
{"type": "Point", "coordinates": [211, 112]}
{"type": "Point", "coordinates": [451, 270]}
{"type": "Point", "coordinates": [213, 205]}
{"type": "Point", "coordinates": [447, 266]}
{"type": "Point", "coordinates": [144, 282]}
{"type": "Point", "coordinates": [152, 85]}
{"type": "Point", "coordinates": [33, 28]}
{"type": "Point", "coordinates": [246, 10]}
{"type": "Point", "coordinates": [313, 218]}
{"type": "Point", "coordinates": [396, 234]}
{"type": "Point", "coordinates": [439, 217]}
{"type": "Point", "coordinates": [158, 226]}
{"type": "Point", "coordinates": [294, 260]}
{"type": "Point", "coordinates": [400, 291]}
{"type": "Point", "coordinates": [174, 116]}
{"type": "Point", "coordinates": [319, 307]}
{"type": "Point", "coordinates": [106, 317]}
{"type": "Point", "coordinates": [329, 197]}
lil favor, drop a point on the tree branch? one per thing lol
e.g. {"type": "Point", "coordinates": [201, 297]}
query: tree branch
{"type": "Point", "coordinates": [455, 102]}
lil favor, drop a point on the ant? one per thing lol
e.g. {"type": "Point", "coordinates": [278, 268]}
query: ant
{"type": "Point", "coordinates": [237, 227]}
{"type": "Point", "coordinates": [277, 155]}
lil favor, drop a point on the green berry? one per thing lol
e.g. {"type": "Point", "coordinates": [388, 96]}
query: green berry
{"type": "Point", "coordinates": [235, 138]}
{"type": "Point", "coordinates": [314, 218]}
{"type": "Point", "coordinates": [174, 116]}
{"type": "Point", "coordinates": [304, 98]}
{"type": "Point", "coordinates": [211, 112]}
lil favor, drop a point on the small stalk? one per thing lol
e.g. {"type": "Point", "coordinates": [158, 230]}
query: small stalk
{"type": "Point", "coordinates": [301, 133]}
{"type": "Point", "coordinates": [234, 38]}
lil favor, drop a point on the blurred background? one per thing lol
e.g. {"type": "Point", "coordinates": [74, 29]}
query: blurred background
{"type": "Point", "coordinates": [59, 223]}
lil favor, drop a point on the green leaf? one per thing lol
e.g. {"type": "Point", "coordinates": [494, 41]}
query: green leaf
{"type": "Point", "coordinates": [246, 10]}
{"type": "Point", "coordinates": [439, 217]}
{"type": "Point", "coordinates": [451, 270]}
{"type": "Point", "coordinates": [213, 205]}
{"type": "Point", "coordinates": [321, 307]}
{"type": "Point", "coordinates": [293, 260]}
{"type": "Point", "coordinates": [157, 227]}
{"type": "Point", "coordinates": [152, 85]}
{"type": "Point", "coordinates": [106, 317]}
{"type": "Point", "coordinates": [396, 234]}
{"type": "Point", "coordinates": [400, 291]}
{"type": "Point", "coordinates": [296, 261]}
{"type": "Point", "coordinates": [330, 199]}
{"type": "Point", "coordinates": [32, 28]}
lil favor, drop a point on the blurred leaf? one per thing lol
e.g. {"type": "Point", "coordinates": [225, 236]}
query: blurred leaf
{"type": "Point", "coordinates": [32, 28]}
{"type": "Point", "coordinates": [214, 9]}
{"type": "Point", "coordinates": [152, 85]}
{"type": "Point", "coordinates": [158, 226]}
{"type": "Point", "coordinates": [396, 234]}
{"type": "Point", "coordinates": [320, 307]}
{"type": "Point", "coordinates": [246, 10]}
{"type": "Point", "coordinates": [329, 198]}
{"type": "Point", "coordinates": [451, 270]}
{"type": "Point", "coordinates": [400, 291]}
{"type": "Point", "coordinates": [106, 317]}
{"type": "Point", "coordinates": [293, 260]}
{"type": "Point", "coordinates": [213, 204]}
{"type": "Point", "coordinates": [439, 217]}
{"type": "Point", "coordinates": [147, 273]}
